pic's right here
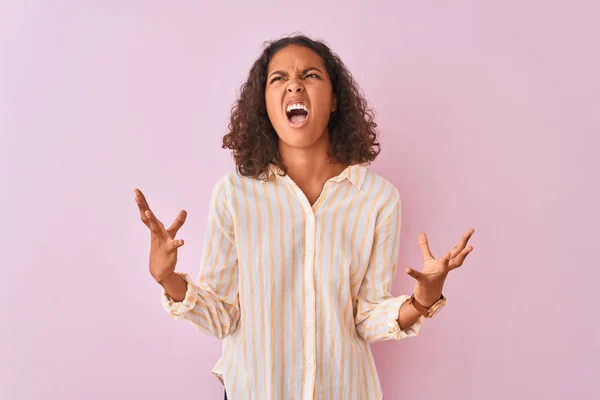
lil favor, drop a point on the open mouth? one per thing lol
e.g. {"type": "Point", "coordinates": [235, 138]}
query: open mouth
{"type": "Point", "coordinates": [297, 114]}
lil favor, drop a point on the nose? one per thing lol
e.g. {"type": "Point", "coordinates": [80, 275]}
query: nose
{"type": "Point", "coordinates": [295, 87]}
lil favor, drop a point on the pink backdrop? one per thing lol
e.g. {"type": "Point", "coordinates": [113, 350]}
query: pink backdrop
{"type": "Point", "coordinates": [490, 115]}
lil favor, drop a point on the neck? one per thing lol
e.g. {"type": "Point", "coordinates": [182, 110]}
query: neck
{"type": "Point", "coordinates": [310, 165]}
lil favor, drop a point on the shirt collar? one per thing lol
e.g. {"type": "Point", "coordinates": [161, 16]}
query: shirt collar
{"type": "Point", "coordinates": [354, 173]}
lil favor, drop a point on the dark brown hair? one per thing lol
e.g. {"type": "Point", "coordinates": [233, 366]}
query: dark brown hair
{"type": "Point", "coordinates": [253, 140]}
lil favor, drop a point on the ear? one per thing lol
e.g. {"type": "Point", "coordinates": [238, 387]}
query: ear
{"type": "Point", "coordinates": [333, 103]}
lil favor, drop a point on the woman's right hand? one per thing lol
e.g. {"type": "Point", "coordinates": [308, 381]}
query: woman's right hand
{"type": "Point", "coordinates": [163, 246]}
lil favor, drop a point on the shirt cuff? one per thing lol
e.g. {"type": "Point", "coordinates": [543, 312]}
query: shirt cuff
{"type": "Point", "coordinates": [394, 327]}
{"type": "Point", "coordinates": [178, 309]}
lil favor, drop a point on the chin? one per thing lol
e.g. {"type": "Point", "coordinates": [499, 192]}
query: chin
{"type": "Point", "coordinates": [300, 137]}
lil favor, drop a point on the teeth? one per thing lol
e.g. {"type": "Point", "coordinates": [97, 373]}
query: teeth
{"type": "Point", "coordinates": [297, 106]}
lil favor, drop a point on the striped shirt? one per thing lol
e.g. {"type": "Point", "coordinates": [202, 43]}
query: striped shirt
{"type": "Point", "coordinates": [297, 292]}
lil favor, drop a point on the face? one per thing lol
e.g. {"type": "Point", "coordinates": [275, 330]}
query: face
{"type": "Point", "coordinates": [298, 96]}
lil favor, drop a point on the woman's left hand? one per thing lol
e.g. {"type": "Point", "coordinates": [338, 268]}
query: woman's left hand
{"type": "Point", "coordinates": [430, 282]}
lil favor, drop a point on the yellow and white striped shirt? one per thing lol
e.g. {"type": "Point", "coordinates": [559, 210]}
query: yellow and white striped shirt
{"type": "Point", "coordinates": [297, 292]}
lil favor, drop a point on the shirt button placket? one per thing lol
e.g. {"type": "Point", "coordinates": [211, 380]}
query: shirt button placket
{"type": "Point", "coordinates": [310, 300]}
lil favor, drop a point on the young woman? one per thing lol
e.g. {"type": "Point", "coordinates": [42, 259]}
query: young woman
{"type": "Point", "coordinates": [302, 239]}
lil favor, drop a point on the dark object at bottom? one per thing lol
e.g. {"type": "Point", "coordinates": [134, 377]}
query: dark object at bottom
{"type": "Point", "coordinates": [225, 395]}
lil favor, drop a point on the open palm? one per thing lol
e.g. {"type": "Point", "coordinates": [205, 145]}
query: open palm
{"type": "Point", "coordinates": [430, 281]}
{"type": "Point", "coordinates": [163, 246]}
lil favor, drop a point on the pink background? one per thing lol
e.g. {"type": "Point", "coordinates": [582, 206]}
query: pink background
{"type": "Point", "coordinates": [490, 115]}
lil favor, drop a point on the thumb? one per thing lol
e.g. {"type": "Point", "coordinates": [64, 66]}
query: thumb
{"type": "Point", "coordinates": [174, 245]}
{"type": "Point", "coordinates": [419, 276]}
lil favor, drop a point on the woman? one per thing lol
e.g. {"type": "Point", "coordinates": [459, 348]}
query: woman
{"type": "Point", "coordinates": [302, 239]}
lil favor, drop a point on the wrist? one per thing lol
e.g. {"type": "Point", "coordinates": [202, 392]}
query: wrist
{"type": "Point", "coordinates": [175, 286]}
{"type": "Point", "coordinates": [428, 310]}
{"type": "Point", "coordinates": [167, 279]}
{"type": "Point", "coordinates": [426, 302]}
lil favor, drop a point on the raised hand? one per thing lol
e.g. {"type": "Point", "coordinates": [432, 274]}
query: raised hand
{"type": "Point", "coordinates": [430, 281]}
{"type": "Point", "coordinates": [163, 246]}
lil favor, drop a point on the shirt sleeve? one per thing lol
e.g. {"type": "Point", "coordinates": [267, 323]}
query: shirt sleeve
{"type": "Point", "coordinates": [212, 304]}
{"type": "Point", "coordinates": [377, 310]}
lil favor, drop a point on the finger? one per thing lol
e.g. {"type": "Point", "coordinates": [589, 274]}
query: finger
{"type": "Point", "coordinates": [147, 218]}
{"type": "Point", "coordinates": [174, 245]}
{"type": "Point", "coordinates": [445, 261]}
{"type": "Point", "coordinates": [458, 260]}
{"type": "Point", "coordinates": [419, 276]}
{"type": "Point", "coordinates": [142, 204]}
{"type": "Point", "coordinates": [424, 245]}
{"type": "Point", "coordinates": [155, 225]}
{"type": "Point", "coordinates": [462, 242]}
{"type": "Point", "coordinates": [178, 223]}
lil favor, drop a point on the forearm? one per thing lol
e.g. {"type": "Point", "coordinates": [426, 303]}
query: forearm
{"type": "Point", "coordinates": [407, 315]}
{"type": "Point", "coordinates": [175, 287]}
{"type": "Point", "coordinates": [200, 305]}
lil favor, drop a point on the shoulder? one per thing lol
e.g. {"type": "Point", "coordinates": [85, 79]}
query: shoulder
{"type": "Point", "coordinates": [222, 187]}
{"type": "Point", "coordinates": [231, 182]}
{"type": "Point", "coordinates": [225, 191]}
{"type": "Point", "coordinates": [379, 188]}
{"type": "Point", "coordinates": [382, 196]}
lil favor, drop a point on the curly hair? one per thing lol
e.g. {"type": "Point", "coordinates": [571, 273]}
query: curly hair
{"type": "Point", "coordinates": [253, 140]}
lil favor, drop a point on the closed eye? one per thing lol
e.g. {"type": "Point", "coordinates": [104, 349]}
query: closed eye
{"type": "Point", "coordinates": [312, 76]}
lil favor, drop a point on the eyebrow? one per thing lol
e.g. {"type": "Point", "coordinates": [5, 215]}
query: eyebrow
{"type": "Point", "coordinates": [303, 72]}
